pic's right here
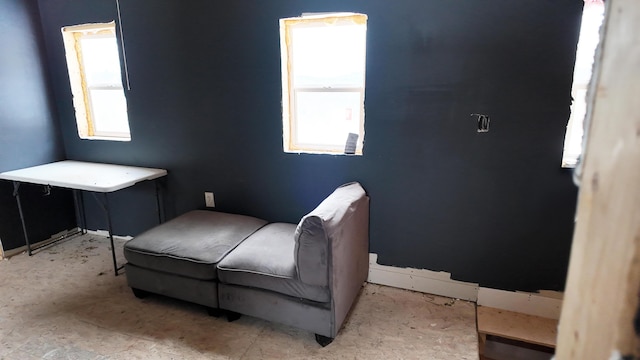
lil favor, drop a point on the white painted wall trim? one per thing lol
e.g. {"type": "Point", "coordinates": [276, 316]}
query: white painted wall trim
{"type": "Point", "coordinates": [56, 237]}
{"type": "Point", "coordinates": [426, 281]}
{"type": "Point", "coordinates": [545, 303]}
{"type": "Point", "coordinates": [105, 233]}
{"type": "Point", "coordinates": [540, 304]}
{"type": "Point", "coordinates": [23, 248]}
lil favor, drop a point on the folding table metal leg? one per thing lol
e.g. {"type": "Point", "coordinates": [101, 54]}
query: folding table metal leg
{"type": "Point", "coordinates": [79, 204]}
{"type": "Point", "coordinates": [105, 208]}
{"type": "Point", "coordinates": [16, 194]}
{"type": "Point", "coordinates": [160, 208]}
{"type": "Point", "coordinates": [84, 213]}
{"type": "Point", "coordinates": [113, 248]}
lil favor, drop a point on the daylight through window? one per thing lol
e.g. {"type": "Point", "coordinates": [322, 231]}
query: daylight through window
{"type": "Point", "coordinates": [96, 83]}
{"type": "Point", "coordinates": [592, 16]}
{"type": "Point", "coordinates": [323, 76]}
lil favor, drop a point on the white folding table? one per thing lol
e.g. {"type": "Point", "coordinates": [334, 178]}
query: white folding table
{"type": "Point", "coordinates": [83, 176]}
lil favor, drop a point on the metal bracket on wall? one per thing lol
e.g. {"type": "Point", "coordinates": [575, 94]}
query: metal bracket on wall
{"type": "Point", "coordinates": [483, 122]}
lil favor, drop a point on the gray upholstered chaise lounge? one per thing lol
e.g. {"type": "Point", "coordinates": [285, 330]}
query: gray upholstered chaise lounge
{"type": "Point", "coordinates": [306, 275]}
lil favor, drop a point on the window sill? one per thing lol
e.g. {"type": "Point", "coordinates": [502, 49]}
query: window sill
{"type": "Point", "coordinates": [321, 152]}
{"type": "Point", "coordinates": [107, 138]}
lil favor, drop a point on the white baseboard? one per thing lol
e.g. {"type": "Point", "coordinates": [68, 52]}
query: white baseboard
{"type": "Point", "coordinates": [105, 233]}
{"type": "Point", "coordinates": [12, 252]}
{"type": "Point", "coordinates": [538, 304]}
{"type": "Point", "coordinates": [426, 281]}
{"type": "Point", "coordinates": [53, 238]}
{"type": "Point", "coordinates": [544, 303]}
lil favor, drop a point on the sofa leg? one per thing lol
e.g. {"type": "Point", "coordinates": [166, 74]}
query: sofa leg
{"type": "Point", "coordinates": [139, 293]}
{"type": "Point", "coordinates": [215, 312]}
{"type": "Point", "coordinates": [323, 340]}
{"type": "Point", "coordinates": [233, 316]}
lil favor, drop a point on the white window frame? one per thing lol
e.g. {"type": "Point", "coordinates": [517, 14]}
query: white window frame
{"type": "Point", "coordinates": [81, 91]}
{"type": "Point", "coordinates": [585, 54]}
{"type": "Point", "coordinates": [290, 92]}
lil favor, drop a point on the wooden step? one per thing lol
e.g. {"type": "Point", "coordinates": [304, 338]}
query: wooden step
{"type": "Point", "coordinates": [516, 326]}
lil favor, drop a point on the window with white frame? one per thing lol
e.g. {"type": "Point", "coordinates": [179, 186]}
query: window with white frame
{"type": "Point", "coordinates": [592, 16]}
{"type": "Point", "coordinates": [323, 78]}
{"type": "Point", "coordinates": [93, 63]}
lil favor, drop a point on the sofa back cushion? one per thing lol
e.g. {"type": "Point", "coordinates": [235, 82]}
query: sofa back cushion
{"type": "Point", "coordinates": [314, 230]}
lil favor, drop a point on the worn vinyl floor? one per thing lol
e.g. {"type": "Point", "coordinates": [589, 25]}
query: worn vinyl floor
{"type": "Point", "coordinates": [65, 303]}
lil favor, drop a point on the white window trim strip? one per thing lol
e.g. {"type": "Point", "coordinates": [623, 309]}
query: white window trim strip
{"type": "Point", "coordinates": [79, 88]}
{"type": "Point", "coordinates": [289, 90]}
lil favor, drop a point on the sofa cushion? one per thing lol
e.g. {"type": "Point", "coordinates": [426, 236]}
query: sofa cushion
{"type": "Point", "coordinates": [265, 261]}
{"type": "Point", "coordinates": [192, 244]}
{"type": "Point", "coordinates": [314, 230]}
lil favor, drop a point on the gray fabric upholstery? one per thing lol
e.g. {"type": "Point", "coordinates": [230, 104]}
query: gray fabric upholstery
{"type": "Point", "coordinates": [265, 260]}
{"type": "Point", "coordinates": [203, 292]}
{"type": "Point", "coordinates": [307, 276]}
{"type": "Point", "coordinates": [331, 247]}
{"type": "Point", "coordinates": [192, 244]}
{"type": "Point", "coordinates": [349, 260]}
{"type": "Point", "coordinates": [279, 308]}
{"type": "Point", "coordinates": [312, 232]}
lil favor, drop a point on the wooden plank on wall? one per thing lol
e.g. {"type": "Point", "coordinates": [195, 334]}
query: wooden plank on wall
{"type": "Point", "coordinates": [603, 283]}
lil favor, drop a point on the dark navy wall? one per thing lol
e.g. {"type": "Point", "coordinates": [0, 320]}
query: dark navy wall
{"type": "Point", "coordinates": [29, 132]}
{"type": "Point", "coordinates": [205, 103]}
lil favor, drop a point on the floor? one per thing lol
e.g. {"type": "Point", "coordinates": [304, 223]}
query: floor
{"type": "Point", "coordinates": [65, 303]}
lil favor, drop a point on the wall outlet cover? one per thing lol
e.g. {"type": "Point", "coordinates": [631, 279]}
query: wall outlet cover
{"type": "Point", "coordinates": [209, 200]}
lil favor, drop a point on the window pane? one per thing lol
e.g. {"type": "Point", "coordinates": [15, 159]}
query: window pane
{"type": "Point", "coordinates": [327, 118]}
{"type": "Point", "coordinates": [100, 60]}
{"type": "Point", "coordinates": [592, 17]}
{"type": "Point", "coordinates": [573, 142]}
{"type": "Point", "coordinates": [330, 56]}
{"type": "Point", "coordinates": [109, 109]}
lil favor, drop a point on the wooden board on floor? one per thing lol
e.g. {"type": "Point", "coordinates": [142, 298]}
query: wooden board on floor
{"type": "Point", "coordinates": [516, 326]}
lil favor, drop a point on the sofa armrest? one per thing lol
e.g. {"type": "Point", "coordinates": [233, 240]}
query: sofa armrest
{"type": "Point", "coordinates": [332, 247]}
{"type": "Point", "coordinates": [314, 230]}
{"type": "Point", "coordinates": [349, 262]}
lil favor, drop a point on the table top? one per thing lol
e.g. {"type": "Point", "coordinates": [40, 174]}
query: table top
{"type": "Point", "coordinates": [81, 175]}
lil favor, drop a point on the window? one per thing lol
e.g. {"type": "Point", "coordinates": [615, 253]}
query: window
{"type": "Point", "coordinates": [592, 16]}
{"type": "Point", "coordinates": [323, 75]}
{"type": "Point", "coordinates": [93, 63]}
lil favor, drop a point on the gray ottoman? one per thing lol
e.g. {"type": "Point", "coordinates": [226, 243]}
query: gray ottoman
{"type": "Point", "coordinates": [178, 258]}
